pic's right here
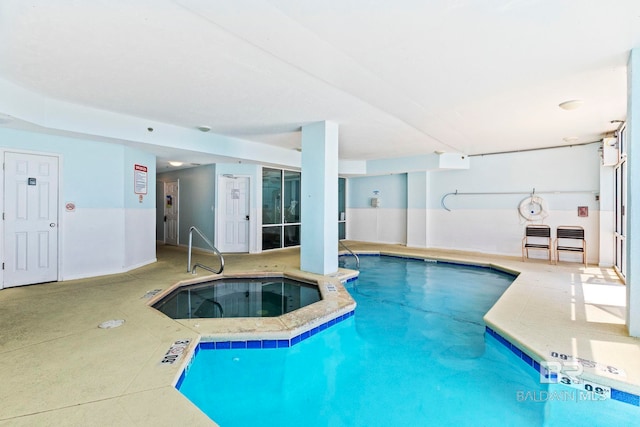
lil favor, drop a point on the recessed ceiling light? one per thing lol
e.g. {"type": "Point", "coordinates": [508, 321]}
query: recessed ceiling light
{"type": "Point", "coordinates": [571, 105]}
{"type": "Point", "coordinates": [204, 128]}
{"type": "Point", "coordinates": [570, 139]}
{"type": "Point", "coordinates": [174, 163]}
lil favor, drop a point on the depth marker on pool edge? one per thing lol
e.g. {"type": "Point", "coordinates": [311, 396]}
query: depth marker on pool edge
{"type": "Point", "coordinates": [175, 352]}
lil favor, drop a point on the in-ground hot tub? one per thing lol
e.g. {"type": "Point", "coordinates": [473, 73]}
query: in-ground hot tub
{"type": "Point", "coordinates": [238, 297]}
{"type": "Point", "coordinates": [266, 315]}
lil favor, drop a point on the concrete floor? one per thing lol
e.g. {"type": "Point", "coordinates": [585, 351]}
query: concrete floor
{"type": "Point", "coordinates": [58, 368]}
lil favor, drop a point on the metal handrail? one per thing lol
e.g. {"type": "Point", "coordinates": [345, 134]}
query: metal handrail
{"type": "Point", "coordinates": [212, 301]}
{"type": "Point", "coordinates": [352, 253]}
{"type": "Point", "coordinates": [215, 250]}
{"type": "Point", "coordinates": [197, 264]}
{"type": "Point", "coordinates": [217, 304]}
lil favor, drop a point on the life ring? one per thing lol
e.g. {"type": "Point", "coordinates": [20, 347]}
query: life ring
{"type": "Point", "coordinates": [533, 208]}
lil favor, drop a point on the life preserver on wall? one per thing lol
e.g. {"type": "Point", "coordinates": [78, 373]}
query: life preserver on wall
{"type": "Point", "coordinates": [533, 208]}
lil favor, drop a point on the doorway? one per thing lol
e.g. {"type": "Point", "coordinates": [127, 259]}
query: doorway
{"type": "Point", "coordinates": [30, 233]}
{"type": "Point", "coordinates": [233, 214]}
{"type": "Point", "coordinates": [172, 212]}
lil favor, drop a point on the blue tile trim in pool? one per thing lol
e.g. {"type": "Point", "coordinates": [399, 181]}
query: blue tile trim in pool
{"type": "Point", "coordinates": [616, 394]}
{"type": "Point", "coordinates": [260, 344]}
{"type": "Point", "coordinates": [280, 343]}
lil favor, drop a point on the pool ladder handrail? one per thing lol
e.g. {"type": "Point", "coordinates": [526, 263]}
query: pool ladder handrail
{"type": "Point", "coordinates": [192, 270]}
{"type": "Point", "coordinates": [352, 253]}
{"type": "Point", "coordinates": [215, 303]}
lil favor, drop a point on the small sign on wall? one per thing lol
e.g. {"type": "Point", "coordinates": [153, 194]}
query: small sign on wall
{"type": "Point", "coordinates": [140, 179]}
{"type": "Point", "coordinates": [583, 211]}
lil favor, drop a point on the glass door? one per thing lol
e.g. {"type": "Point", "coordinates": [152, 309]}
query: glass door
{"type": "Point", "coordinates": [620, 204]}
{"type": "Point", "coordinates": [280, 215]}
{"type": "Point", "coordinates": [342, 220]}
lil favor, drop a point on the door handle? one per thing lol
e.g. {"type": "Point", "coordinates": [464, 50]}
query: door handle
{"type": "Point", "coordinates": [53, 224]}
{"type": "Point", "coordinates": [247, 217]}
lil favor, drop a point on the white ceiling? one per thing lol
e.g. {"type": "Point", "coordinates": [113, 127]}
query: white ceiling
{"type": "Point", "coordinates": [401, 78]}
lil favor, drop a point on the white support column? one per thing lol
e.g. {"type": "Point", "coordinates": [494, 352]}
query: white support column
{"type": "Point", "coordinates": [633, 186]}
{"type": "Point", "coordinates": [319, 204]}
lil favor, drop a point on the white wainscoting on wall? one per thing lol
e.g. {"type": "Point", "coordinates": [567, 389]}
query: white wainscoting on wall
{"type": "Point", "coordinates": [377, 225]}
{"type": "Point", "coordinates": [417, 228]}
{"type": "Point", "coordinates": [139, 238]}
{"type": "Point", "coordinates": [97, 242]}
{"type": "Point", "coordinates": [500, 231]}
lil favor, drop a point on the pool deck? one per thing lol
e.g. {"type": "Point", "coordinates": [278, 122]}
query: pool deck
{"type": "Point", "coordinates": [60, 369]}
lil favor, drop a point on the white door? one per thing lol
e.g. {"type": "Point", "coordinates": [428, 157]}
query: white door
{"type": "Point", "coordinates": [30, 219]}
{"type": "Point", "coordinates": [171, 212]}
{"type": "Point", "coordinates": [233, 220]}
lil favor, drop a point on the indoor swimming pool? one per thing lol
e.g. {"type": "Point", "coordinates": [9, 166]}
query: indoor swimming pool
{"type": "Point", "coordinates": [414, 354]}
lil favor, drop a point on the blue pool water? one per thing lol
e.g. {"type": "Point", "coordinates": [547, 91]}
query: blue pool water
{"type": "Point", "coordinates": [414, 354]}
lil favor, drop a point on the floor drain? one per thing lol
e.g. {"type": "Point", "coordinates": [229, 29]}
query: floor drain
{"type": "Point", "coordinates": [109, 324]}
{"type": "Point", "coordinates": [152, 293]}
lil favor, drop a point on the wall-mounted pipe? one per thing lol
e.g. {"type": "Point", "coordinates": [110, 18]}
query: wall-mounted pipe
{"type": "Point", "coordinates": [531, 193]}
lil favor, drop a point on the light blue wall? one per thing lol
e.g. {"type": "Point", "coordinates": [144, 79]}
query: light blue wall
{"type": "Point", "coordinates": [402, 164]}
{"type": "Point", "coordinates": [417, 190]}
{"type": "Point", "coordinates": [319, 198]}
{"type": "Point", "coordinates": [561, 169]}
{"type": "Point", "coordinates": [565, 178]}
{"type": "Point", "coordinates": [392, 191]}
{"type": "Point", "coordinates": [196, 201]}
{"type": "Point", "coordinates": [94, 174]}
